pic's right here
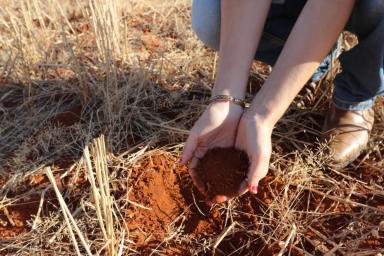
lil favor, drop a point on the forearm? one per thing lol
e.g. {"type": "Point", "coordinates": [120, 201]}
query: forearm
{"type": "Point", "coordinates": [242, 23]}
{"type": "Point", "coordinates": [312, 37]}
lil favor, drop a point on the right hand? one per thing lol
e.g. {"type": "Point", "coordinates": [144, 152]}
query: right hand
{"type": "Point", "coordinates": [216, 127]}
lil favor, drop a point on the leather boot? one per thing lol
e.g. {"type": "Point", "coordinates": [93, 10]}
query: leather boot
{"type": "Point", "coordinates": [347, 134]}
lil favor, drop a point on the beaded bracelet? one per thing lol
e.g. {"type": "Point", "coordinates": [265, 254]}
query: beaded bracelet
{"type": "Point", "coordinates": [226, 98]}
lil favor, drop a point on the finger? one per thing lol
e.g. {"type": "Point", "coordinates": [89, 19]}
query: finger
{"type": "Point", "coordinates": [221, 198]}
{"type": "Point", "coordinates": [243, 188]}
{"type": "Point", "coordinates": [257, 171]}
{"type": "Point", "coordinates": [189, 148]}
{"type": "Point", "coordinates": [193, 163]}
{"type": "Point", "coordinates": [200, 152]}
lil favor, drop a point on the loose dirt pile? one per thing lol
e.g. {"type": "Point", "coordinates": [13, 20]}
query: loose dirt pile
{"type": "Point", "coordinates": [166, 209]}
{"type": "Point", "coordinates": [222, 170]}
{"type": "Point", "coordinates": [158, 193]}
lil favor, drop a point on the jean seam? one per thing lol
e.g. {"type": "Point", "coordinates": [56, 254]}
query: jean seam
{"type": "Point", "coordinates": [348, 105]}
{"type": "Point", "coordinates": [352, 102]}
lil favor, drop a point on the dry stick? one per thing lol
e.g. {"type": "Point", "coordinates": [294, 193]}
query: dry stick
{"type": "Point", "coordinates": [95, 192]}
{"type": "Point", "coordinates": [291, 234]}
{"type": "Point", "coordinates": [42, 202]}
{"type": "Point", "coordinates": [338, 199]}
{"type": "Point", "coordinates": [194, 201]}
{"type": "Point", "coordinates": [223, 235]}
{"type": "Point", "coordinates": [139, 205]}
{"type": "Point", "coordinates": [318, 245]}
{"type": "Point", "coordinates": [333, 250]}
{"type": "Point", "coordinates": [53, 238]}
{"type": "Point", "coordinates": [336, 247]}
{"type": "Point", "coordinates": [101, 192]}
{"type": "Point", "coordinates": [37, 218]}
{"type": "Point", "coordinates": [6, 213]}
{"type": "Point", "coordinates": [102, 172]}
{"type": "Point", "coordinates": [61, 201]}
{"type": "Point", "coordinates": [121, 247]}
{"type": "Point", "coordinates": [67, 214]}
{"type": "Point", "coordinates": [368, 253]}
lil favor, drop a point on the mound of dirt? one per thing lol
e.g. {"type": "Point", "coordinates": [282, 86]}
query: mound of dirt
{"type": "Point", "coordinates": [158, 193]}
{"type": "Point", "coordinates": [163, 199]}
{"type": "Point", "coordinates": [222, 170]}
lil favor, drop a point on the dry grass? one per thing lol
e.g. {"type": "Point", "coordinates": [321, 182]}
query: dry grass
{"type": "Point", "coordinates": [127, 79]}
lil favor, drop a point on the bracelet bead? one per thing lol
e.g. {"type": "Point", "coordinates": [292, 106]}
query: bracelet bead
{"type": "Point", "coordinates": [227, 98]}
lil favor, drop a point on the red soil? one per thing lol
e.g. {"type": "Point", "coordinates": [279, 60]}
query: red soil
{"type": "Point", "coordinates": [69, 117]}
{"type": "Point", "coordinates": [174, 206]}
{"type": "Point", "coordinates": [166, 190]}
{"type": "Point", "coordinates": [14, 219]}
{"type": "Point", "coordinates": [160, 189]}
{"type": "Point", "coordinates": [17, 219]}
{"type": "Point", "coordinates": [222, 170]}
{"type": "Point", "coordinates": [171, 206]}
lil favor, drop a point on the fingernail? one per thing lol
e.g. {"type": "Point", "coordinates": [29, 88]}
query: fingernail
{"type": "Point", "coordinates": [254, 189]}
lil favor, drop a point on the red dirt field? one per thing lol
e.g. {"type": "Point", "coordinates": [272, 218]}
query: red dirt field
{"type": "Point", "coordinates": [164, 205]}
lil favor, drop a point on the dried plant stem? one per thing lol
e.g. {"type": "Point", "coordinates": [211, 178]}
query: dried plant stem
{"type": "Point", "coordinates": [68, 216]}
{"type": "Point", "coordinates": [101, 191]}
{"type": "Point", "coordinates": [287, 241]}
{"type": "Point", "coordinates": [224, 234]}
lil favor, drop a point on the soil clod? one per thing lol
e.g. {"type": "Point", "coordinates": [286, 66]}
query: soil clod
{"type": "Point", "coordinates": [222, 170]}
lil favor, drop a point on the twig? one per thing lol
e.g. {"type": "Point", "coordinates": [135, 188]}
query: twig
{"type": "Point", "coordinates": [68, 216]}
{"type": "Point", "coordinates": [53, 238]}
{"type": "Point", "coordinates": [291, 234]}
{"type": "Point", "coordinates": [138, 205]}
{"type": "Point", "coordinates": [338, 199]}
{"type": "Point", "coordinates": [37, 218]}
{"type": "Point", "coordinates": [6, 213]}
{"type": "Point", "coordinates": [223, 235]}
{"type": "Point", "coordinates": [194, 201]}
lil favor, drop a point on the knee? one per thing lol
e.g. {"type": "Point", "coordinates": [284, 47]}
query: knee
{"type": "Point", "coordinates": [366, 16]}
{"type": "Point", "coordinates": [206, 21]}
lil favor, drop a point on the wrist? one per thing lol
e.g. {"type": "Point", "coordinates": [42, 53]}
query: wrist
{"type": "Point", "coordinates": [262, 117]}
{"type": "Point", "coordinates": [228, 109]}
{"type": "Point", "coordinates": [230, 86]}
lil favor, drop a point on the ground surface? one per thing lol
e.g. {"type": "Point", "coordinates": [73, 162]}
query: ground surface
{"type": "Point", "coordinates": [102, 94]}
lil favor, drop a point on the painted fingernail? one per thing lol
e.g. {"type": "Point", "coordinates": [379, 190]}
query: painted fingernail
{"type": "Point", "coordinates": [254, 189]}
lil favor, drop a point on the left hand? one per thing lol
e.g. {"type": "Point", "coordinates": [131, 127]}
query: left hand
{"type": "Point", "coordinates": [254, 137]}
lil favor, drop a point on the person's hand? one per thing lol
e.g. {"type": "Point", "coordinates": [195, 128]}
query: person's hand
{"type": "Point", "coordinates": [254, 137]}
{"type": "Point", "coordinates": [216, 127]}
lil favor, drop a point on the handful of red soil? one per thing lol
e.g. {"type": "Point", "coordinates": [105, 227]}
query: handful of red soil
{"type": "Point", "coordinates": [222, 170]}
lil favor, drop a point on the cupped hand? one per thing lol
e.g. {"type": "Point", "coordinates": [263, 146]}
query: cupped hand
{"type": "Point", "coordinates": [254, 137]}
{"type": "Point", "coordinates": [216, 127]}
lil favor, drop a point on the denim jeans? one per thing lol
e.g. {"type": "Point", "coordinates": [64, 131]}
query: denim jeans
{"type": "Point", "coordinates": [362, 77]}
